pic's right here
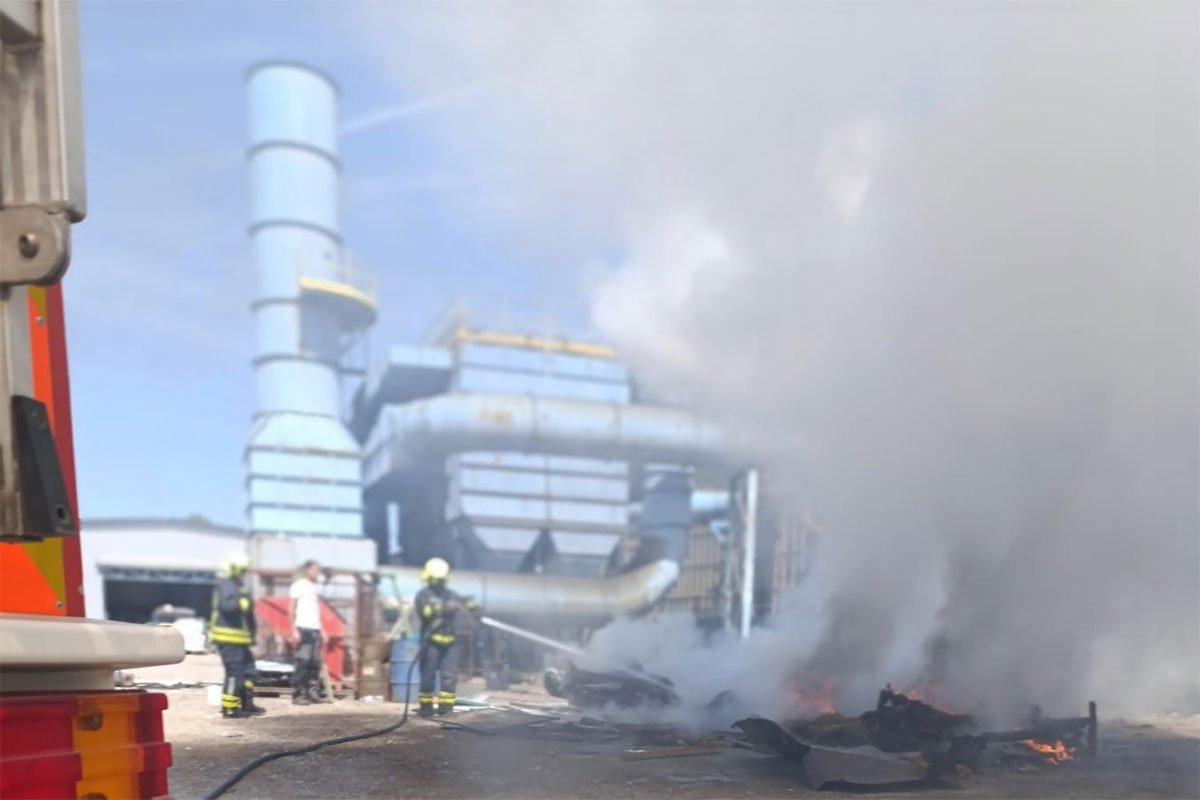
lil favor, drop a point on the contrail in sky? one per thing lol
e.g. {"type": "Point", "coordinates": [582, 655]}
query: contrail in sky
{"type": "Point", "coordinates": [383, 116]}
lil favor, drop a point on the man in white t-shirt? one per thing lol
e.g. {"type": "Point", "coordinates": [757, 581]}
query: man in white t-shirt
{"type": "Point", "coordinates": [304, 616]}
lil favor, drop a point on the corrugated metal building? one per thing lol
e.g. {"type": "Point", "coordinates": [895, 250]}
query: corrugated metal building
{"type": "Point", "coordinates": [132, 566]}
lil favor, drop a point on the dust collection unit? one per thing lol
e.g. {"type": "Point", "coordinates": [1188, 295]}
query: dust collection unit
{"type": "Point", "coordinates": [521, 455]}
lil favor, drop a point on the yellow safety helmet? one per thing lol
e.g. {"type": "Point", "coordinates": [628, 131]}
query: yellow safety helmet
{"type": "Point", "coordinates": [232, 565]}
{"type": "Point", "coordinates": [436, 570]}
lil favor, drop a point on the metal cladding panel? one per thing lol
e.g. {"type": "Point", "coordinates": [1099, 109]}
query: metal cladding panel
{"type": "Point", "coordinates": [511, 358]}
{"type": "Point", "coordinates": [501, 560]}
{"type": "Point", "coordinates": [293, 104]}
{"type": "Point", "coordinates": [287, 552]}
{"type": "Point", "coordinates": [545, 363]}
{"type": "Point", "coordinates": [502, 539]}
{"type": "Point", "coordinates": [293, 185]}
{"type": "Point", "coordinates": [600, 369]}
{"type": "Point", "coordinates": [474, 379]}
{"type": "Point", "coordinates": [571, 511]}
{"type": "Point", "coordinates": [282, 254]}
{"type": "Point", "coordinates": [536, 512]}
{"type": "Point", "coordinates": [588, 466]}
{"type": "Point", "coordinates": [307, 435]}
{"type": "Point", "coordinates": [409, 372]}
{"type": "Point", "coordinates": [527, 510]}
{"type": "Point", "coordinates": [508, 482]}
{"type": "Point", "coordinates": [297, 385]}
{"type": "Point", "coordinates": [302, 520]}
{"type": "Point", "coordinates": [585, 488]}
{"type": "Point", "coordinates": [507, 460]}
{"type": "Point", "coordinates": [419, 357]}
{"type": "Point", "coordinates": [585, 544]}
{"type": "Point", "coordinates": [540, 484]}
{"type": "Point", "coordinates": [277, 330]}
{"type": "Point", "coordinates": [267, 492]}
{"type": "Point", "coordinates": [266, 463]}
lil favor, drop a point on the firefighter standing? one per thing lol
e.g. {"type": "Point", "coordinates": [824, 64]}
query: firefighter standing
{"type": "Point", "coordinates": [232, 630]}
{"type": "Point", "coordinates": [436, 607]}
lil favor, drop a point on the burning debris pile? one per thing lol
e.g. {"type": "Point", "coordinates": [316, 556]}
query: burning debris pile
{"type": "Point", "coordinates": [905, 739]}
{"type": "Point", "coordinates": [902, 740]}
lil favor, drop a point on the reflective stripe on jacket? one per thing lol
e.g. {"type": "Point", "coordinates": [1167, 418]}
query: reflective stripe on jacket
{"type": "Point", "coordinates": [437, 608]}
{"type": "Point", "coordinates": [232, 620]}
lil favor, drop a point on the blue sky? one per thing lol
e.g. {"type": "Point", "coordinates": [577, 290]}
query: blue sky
{"type": "Point", "coordinates": [159, 288]}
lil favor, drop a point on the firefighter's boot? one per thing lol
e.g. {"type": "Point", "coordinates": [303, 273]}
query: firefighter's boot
{"type": "Point", "coordinates": [249, 709]}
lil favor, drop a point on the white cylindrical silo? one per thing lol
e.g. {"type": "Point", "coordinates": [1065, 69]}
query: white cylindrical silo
{"type": "Point", "coordinates": [305, 303]}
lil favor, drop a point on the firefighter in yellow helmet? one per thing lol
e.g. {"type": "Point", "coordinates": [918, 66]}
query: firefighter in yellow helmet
{"type": "Point", "coordinates": [231, 629]}
{"type": "Point", "coordinates": [437, 607]}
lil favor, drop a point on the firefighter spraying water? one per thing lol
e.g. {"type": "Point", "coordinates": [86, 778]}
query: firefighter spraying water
{"type": "Point", "coordinates": [437, 607]}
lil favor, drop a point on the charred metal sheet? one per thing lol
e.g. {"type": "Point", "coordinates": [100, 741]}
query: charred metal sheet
{"type": "Point", "coordinates": [1074, 732]}
{"type": "Point", "coordinates": [853, 766]}
{"type": "Point", "coordinates": [772, 736]}
{"type": "Point", "coordinates": [831, 730]}
{"type": "Point", "coordinates": [628, 688]}
{"type": "Point", "coordinates": [861, 766]}
{"type": "Point", "coordinates": [900, 723]}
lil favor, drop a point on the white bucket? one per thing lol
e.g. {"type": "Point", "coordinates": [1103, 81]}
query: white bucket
{"type": "Point", "coordinates": [212, 695]}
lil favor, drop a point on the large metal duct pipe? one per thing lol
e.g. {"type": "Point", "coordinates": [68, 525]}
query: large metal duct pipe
{"type": "Point", "coordinates": [303, 473]}
{"type": "Point", "coordinates": [550, 600]}
{"type": "Point", "coordinates": [706, 505]}
{"type": "Point", "coordinates": [454, 423]}
{"type": "Point", "coordinates": [666, 513]}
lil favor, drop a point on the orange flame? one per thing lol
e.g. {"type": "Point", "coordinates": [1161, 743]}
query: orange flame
{"type": "Point", "coordinates": [1055, 753]}
{"type": "Point", "coordinates": [928, 694]}
{"type": "Point", "coordinates": [814, 700]}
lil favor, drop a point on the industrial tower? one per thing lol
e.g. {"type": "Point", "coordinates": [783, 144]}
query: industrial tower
{"type": "Point", "coordinates": [302, 464]}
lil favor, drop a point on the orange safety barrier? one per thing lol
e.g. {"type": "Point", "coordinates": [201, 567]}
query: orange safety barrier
{"type": "Point", "coordinates": [85, 745]}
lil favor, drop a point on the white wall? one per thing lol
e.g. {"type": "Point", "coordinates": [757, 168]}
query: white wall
{"type": "Point", "coordinates": [173, 543]}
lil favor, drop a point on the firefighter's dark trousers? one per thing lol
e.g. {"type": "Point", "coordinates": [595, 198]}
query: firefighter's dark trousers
{"type": "Point", "coordinates": [306, 678]}
{"type": "Point", "coordinates": [238, 691]}
{"type": "Point", "coordinates": [439, 664]}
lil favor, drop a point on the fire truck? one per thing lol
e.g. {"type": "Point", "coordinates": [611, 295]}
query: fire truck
{"type": "Point", "coordinates": [65, 731]}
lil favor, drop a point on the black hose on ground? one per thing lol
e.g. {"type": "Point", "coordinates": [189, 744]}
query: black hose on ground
{"type": "Point", "coordinates": [299, 751]}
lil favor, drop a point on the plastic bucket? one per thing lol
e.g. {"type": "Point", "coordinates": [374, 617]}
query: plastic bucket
{"type": "Point", "coordinates": [404, 655]}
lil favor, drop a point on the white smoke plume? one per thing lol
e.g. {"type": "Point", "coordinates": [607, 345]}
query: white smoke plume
{"type": "Point", "coordinates": [939, 262]}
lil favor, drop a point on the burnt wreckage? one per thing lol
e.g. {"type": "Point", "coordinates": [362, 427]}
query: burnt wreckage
{"type": "Point", "coordinates": [902, 740]}
{"type": "Point", "coordinates": [627, 688]}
